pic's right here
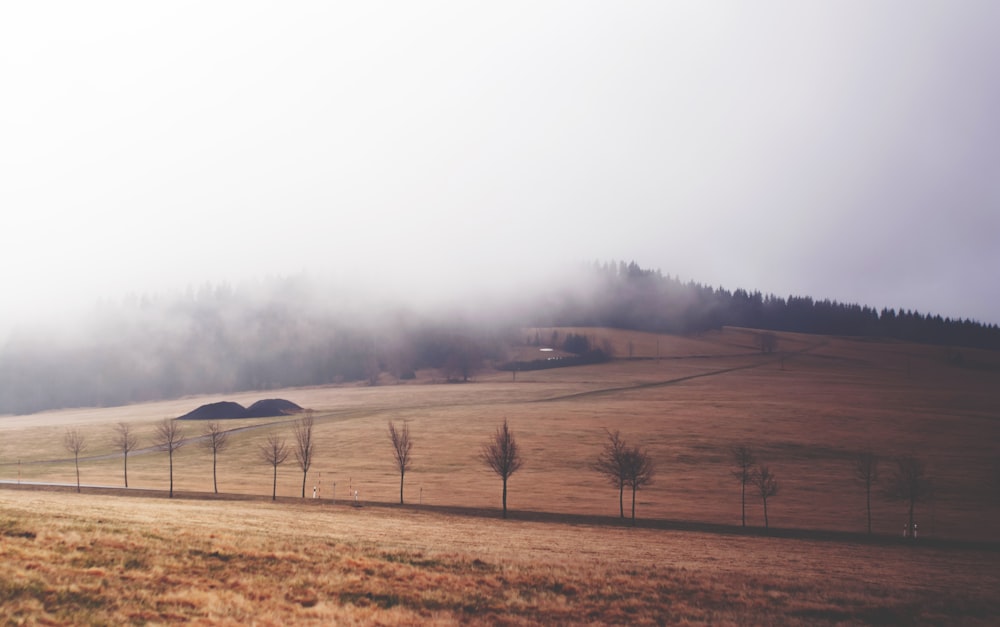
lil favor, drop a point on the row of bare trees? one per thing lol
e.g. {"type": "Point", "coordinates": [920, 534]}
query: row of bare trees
{"type": "Point", "coordinates": [275, 451]}
{"type": "Point", "coordinates": [908, 482]}
{"type": "Point", "coordinates": [758, 477]}
{"type": "Point", "coordinates": [624, 466]}
{"type": "Point", "coordinates": [169, 436]}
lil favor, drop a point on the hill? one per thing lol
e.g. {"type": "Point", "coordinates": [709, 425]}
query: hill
{"type": "Point", "coordinates": [229, 410]}
{"type": "Point", "coordinates": [807, 409]}
{"type": "Point", "coordinates": [289, 335]}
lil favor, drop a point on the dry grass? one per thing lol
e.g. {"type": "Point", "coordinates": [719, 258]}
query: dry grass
{"type": "Point", "coordinates": [100, 559]}
{"type": "Point", "coordinates": [806, 415]}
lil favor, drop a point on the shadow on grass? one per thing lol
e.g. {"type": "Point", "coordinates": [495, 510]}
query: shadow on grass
{"type": "Point", "coordinates": [665, 524]}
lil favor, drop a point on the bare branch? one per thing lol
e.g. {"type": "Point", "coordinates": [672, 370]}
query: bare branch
{"type": "Point", "coordinates": [216, 439]}
{"type": "Point", "coordinates": [611, 464]}
{"type": "Point", "coordinates": [503, 457]}
{"type": "Point", "coordinates": [125, 441]}
{"type": "Point", "coordinates": [274, 452]}
{"type": "Point", "coordinates": [169, 437]}
{"type": "Point", "coordinates": [76, 443]}
{"type": "Point", "coordinates": [866, 471]}
{"type": "Point", "coordinates": [909, 483]}
{"type": "Point", "coordinates": [767, 486]}
{"type": "Point", "coordinates": [401, 445]}
{"type": "Point", "coordinates": [639, 471]}
{"type": "Point", "coordinates": [304, 445]}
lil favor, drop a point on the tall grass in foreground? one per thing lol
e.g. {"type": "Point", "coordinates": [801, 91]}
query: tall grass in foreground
{"type": "Point", "coordinates": [92, 560]}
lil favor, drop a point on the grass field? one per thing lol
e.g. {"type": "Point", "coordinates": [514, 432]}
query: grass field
{"type": "Point", "coordinates": [806, 411]}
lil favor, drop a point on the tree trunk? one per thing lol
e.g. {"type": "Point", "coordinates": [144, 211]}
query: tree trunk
{"type": "Point", "coordinates": [274, 484]}
{"type": "Point", "coordinates": [869, 507]}
{"type": "Point", "coordinates": [743, 502]}
{"type": "Point", "coordinates": [765, 513]}
{"type": "Point", "coordinates": [401, 488]}
{"type": "Point", "coordinates": [505, 498]}
{"type": "Point", "coordinates": [633, 505]}
{"type": "Point", "coordinates": [215, 480]}
{"type": "Point", "coordinates": [78, 473]}
{"type": "Point", "coordinates": [304, 473]}
{"type": "Point", "coordinates": [171, 456]}
{"type": "Point", "coordinates": [910, 528]}
{"type": "Point", "coordinates": [621, 499]}
{"type": "Point", "coordinates": [126, 470]}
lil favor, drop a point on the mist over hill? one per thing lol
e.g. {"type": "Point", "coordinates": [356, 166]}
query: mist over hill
{"type": "Point", "coordinates": [299, 332]}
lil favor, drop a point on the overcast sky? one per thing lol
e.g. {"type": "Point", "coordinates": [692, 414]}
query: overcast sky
{"type": "Point", "coordinates": [843, 150]}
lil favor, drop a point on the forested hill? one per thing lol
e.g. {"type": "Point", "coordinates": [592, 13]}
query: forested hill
{"type": "Point", "coordinates": [629, 297]}
{"type": "Point", "coordinates": [294, 332]}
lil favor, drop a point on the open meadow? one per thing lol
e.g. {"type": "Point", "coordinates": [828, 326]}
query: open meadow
{"type": "Point", "coordinates": [806, 410]}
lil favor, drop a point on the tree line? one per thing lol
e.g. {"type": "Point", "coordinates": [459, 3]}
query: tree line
{"type": "Point", "coordinates": [627, 296]}
{"type": "Point", "coordinates": [225, 340]}
{"type": "Point", "coordinates": [220, 339]}
{"type": "Point", "coordinates": [623, 465]}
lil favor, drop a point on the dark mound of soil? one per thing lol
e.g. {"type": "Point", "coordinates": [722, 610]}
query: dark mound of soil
{"type": "Point", "coordinates": [272, 407]}
{"type": "Point", "coordinates": [224, 410]}
{"type": "Point", "coordinates": [216, 411]}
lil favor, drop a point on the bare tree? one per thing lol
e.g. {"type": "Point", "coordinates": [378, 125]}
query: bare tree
{"type": "Point", "coordinates": [768, 342]}
{"type": "Point", "coordinates": [639, 471]}
{"type": "Point", "coordinates": [767, 486]}
{"type": "Point", "coordinates": [611, 464]}
{"type": "Point", "coordinates": [215, 439]}
{"type": "Point", "coordinates": [76, 443]}
{"type": "Point", "coordinates": [744, 460]}
{"type": "Point", "coordinates": [909, 483]}
{"type": "Point", "coordinates": [274, 452]}
{"type": "Point", "coordinates": [401, 444]}
{"type": "Point", "coordinates": [304, 445]}
{"type": "Point", "coordinates": [169, 437]}
{"type": "Point", "coordinates": [126, 442]}
{"type": "Point", "coordinates": [866, 472]}
{"type": "Point", "coordinates": [502, 455]}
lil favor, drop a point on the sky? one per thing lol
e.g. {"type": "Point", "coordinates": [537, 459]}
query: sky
{"type": "Point", "coordinates": [844, 150]}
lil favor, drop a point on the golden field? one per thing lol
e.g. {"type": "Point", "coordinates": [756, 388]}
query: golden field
{"type": "Point", "coordinates": [806, 411]}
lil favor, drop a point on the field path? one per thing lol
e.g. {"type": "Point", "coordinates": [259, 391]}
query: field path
{"type": "Point", "coordinates": [656, 384]}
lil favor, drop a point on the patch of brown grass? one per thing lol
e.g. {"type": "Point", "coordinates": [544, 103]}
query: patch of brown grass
{"type": "Point", "coordinates": [98, 559]}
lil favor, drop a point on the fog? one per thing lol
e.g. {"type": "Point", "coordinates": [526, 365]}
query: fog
{"type": "Point", "coordinates": [441, 152]}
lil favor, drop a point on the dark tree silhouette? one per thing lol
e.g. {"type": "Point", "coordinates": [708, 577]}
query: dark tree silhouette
{"type": "Point", "coordinates": [767, 486]}
{"type": "Point", "coordinates": [215, 439]}
{"type": "Point", "coordinates": [502, 455]}
{"type": "Point", "coordinates": [304, 445]}
{"type": "Point", "coordinates": [768, 342]}
{"type": "Point", "coordinates": [866, 472]}
{"type": "Point", "coordinates": [463, 359]}
{"type": "Point", "coordinates": [611, 464]}
{"type": "Point", "coordinates": [744, 460]}
{"type": "Point", "coordinates": [274, 452]}
{"type": "Point", "coordinates": [401, 444]}
{"type": "Point", "coordinates": [639, 471]}
{"type": "Point", "coordinates": [76, 443]}
{"type": "Point", "coordinates": [126, 442]}
{"type": "Point", "coordinates": [909, 483]}
{"type": "Point", "coordinates": [169, 437]}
